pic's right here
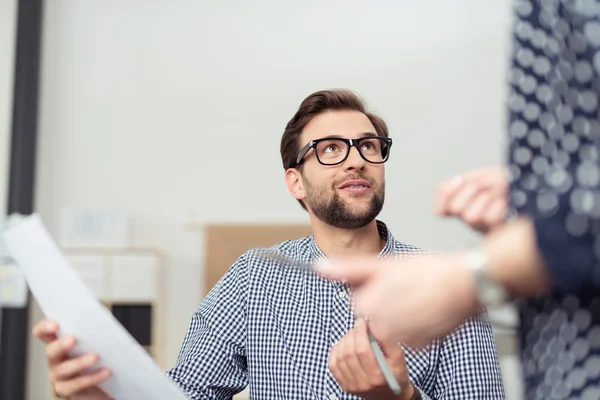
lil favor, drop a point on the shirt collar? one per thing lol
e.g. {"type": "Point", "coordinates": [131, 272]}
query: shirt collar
{"type": "Point", "coordinates": [316, 254]}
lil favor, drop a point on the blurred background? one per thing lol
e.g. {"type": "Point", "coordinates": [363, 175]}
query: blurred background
{"type": "Point", "coordinates": [159, 119]}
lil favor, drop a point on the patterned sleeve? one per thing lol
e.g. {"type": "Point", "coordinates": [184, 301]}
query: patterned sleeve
{"type": "Point", "coordinates": [212, 362]}
{"type": "Point", "coordinates": [468, 367]}
{"type": "Point", "coordinates": [555, 134]}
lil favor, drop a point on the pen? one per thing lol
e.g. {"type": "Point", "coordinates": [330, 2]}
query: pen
{"type": "Point", "coordinates": [383, 364]}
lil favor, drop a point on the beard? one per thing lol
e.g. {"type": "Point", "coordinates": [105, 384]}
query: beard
{"type": "Point", "coordinates": [334, 211]}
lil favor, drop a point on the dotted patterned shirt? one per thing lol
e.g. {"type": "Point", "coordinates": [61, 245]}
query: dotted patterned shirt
{"type": "Point", "coordinates": [555, 179]}
{"type": "Point", "coordinates": [272, 328]}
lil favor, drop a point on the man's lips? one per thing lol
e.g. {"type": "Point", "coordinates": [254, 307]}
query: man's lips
{"type": "Point", "coordinates": [356, 187]}
{"type": "Point", "coordinates": [355, 184]}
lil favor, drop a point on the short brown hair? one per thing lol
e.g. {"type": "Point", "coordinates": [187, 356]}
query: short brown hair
{"type": "Point", "coordinates": [315, 104]}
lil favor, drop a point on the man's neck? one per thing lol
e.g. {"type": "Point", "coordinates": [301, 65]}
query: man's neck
{"type": "Point", "coordinates": [335, 242]}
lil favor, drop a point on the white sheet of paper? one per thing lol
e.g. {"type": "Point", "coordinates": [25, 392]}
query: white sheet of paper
{"type": "Point", "coordinates": [64, 297]}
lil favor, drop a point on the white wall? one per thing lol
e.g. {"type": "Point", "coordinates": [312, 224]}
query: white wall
{"type": "Point", "coordinates": [174, 110]}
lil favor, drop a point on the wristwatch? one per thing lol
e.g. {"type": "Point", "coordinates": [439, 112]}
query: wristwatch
{"type": "Point", "coordinates": [490, 293]}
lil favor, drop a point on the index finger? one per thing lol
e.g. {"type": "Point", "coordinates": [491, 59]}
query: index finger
{"type": "Point", "coordinates": [355, 272]}
{"type": "Point", "coordinates": [45, 330]}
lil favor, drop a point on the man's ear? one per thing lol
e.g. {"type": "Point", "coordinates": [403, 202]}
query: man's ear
{"type": "Point", "coordinates": [293, 180]}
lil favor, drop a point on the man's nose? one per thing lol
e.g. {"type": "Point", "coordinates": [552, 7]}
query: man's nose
{"type": "Point", "coordinates": [354, 160]}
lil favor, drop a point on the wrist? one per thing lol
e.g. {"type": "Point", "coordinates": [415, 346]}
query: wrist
{"type": "Point", "coordinates": [515, 260]}
{"type": "Point", "coordinates": [412, 393]}
{"type": "Point", "coordinates": [409, 392]}
{"type": "Point", "coordinates": [488, 289]}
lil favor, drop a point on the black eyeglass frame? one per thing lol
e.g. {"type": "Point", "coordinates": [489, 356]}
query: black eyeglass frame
{"type": "Point", "coordinates": [350, 143]}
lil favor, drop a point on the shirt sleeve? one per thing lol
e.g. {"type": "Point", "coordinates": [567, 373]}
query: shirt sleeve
{"type": "Point", "coordinates": [468, 364]}
{"type": "Point", "coordinates": [212, 361]}
{"type": "Point", "coordinates": [554, 127]}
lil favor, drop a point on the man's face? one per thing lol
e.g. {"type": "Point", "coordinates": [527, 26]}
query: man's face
{"type": "Point", "coordinates": [325, 189]}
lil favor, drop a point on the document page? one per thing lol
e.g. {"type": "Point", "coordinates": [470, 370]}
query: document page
{"type": "Point", "coordinates": [64, 297]}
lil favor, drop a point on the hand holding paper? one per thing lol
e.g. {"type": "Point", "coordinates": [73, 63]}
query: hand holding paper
{"type": "Point", "coordinates": [63, 297]}
{"type": "Point", "coordinates": [71, 377]}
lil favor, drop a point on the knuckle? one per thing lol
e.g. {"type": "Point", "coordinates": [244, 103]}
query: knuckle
{"type": "Point", "coordinates": [362, 351]}
{"type": "Point", "coordinates": [363, 387]}
{"type": "Point", "coordinates": [82, 363]}
{"type": "Point", "coordinates": [78, 365]}
{"type": "Point", "coordinates": [376, 379]}
{"type": "Point", "coordinates": [453, 207]}
{"type": "Point", "coordinates": [59, 371]}
{"type": "Point", "coordinates": [471, 218]}
{"type": "Point", "coordinates": [497, 219]}
{"type": "Point", "coordinates": [471, 221]}
{"type": "Point", "coordinates": [81, 383]}
{"type": "Point", "coordinates": [88, 380]}
{"type": "Point", "coordinates": [490, 219]}
{"type": "Point", "coordinates": [55, 349]}
{"type": "Point", "coordinates": [50, 350]}
{"type": "Point", "coordinates": [333, 365]}
{"type": "Point", "coordinates": [63, 368]}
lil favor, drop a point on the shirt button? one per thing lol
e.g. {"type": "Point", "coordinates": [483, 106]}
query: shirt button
{"type": "Point", "coordinates": [333, 397]}
{"type": "Point", "coordinates": [341, 295]}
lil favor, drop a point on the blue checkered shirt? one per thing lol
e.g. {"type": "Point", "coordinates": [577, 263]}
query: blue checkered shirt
{"type": "Point", "coordinates": [272, 328]}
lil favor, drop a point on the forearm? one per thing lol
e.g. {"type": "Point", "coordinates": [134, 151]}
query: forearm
{"type": "Point", "coordinates": [514, 259]}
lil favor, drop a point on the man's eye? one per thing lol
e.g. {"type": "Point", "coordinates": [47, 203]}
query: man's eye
{"type": "Point", "coordinates": [368, 146]}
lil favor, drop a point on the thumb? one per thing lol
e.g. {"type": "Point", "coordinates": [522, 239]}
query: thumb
{"type": "Point", "coordinates": [354, 272]}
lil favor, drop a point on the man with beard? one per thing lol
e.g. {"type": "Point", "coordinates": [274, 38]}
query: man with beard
{"type": "Point", "coordinates": [292, 335]}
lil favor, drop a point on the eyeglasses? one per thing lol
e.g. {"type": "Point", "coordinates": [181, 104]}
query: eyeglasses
{"type": "Point", "coordinates": [334, 151]}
